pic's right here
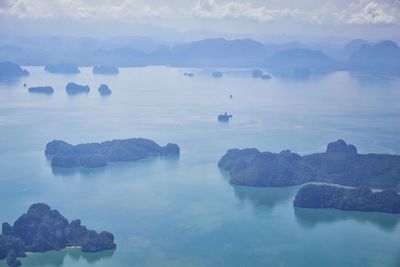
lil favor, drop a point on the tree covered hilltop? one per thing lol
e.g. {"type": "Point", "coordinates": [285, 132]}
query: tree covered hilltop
{"type": "Point", "coordinates": [339, 164]}
{"type": "Point", "coordinates": [94, 155]}
{"type": "Point", "coordinates": [44, 229]}
{"type": "Point", "coordinates": [353, 199]}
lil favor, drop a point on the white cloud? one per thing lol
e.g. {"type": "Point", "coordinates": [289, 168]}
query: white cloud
{"type": "Point", "coordinates": [355, 12]}
{"type": "Point", "coordinates": [211, 9]}
{"type": "Point", "coordinates": [372, 13]}
{"type": "Point", "coordinates": [363, 12]}
{"type": "Point", "coordinates": [83, 10]}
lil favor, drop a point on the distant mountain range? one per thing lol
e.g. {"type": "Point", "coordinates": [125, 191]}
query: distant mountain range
{"type": "Point", "coordinates": [287, 59]}
{"type": "Point", "coordinates": [383, 57]}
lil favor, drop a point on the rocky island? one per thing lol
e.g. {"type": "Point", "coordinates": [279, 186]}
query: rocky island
{"type": "Point", "coordinates": [266, 77]}
{"type": "Point", "coordinates": [339, 164]}
{"type": "Point", "coordinates": [74, 88]}
{"type": "Point", "coordinates": [48, 90]}
{"type": "Point", "coordinates": [44, 229]}
{"type": "Point", "coordinates": [259, 74]}
{"type": "Point", "coordinates": [94, 155]}
{"type": "Point", "coordinates": [105, 70]}
{"type": "Point", "coordinates": [188, 74]}
{"type": "Point", "coordinates": [10, 70]}
{"type": "Point", "coordinates": [216, 74]}
{"type": "Point", "coordinates": [256, 73]}
{"type": "Point", "coordinates": [63, 68]}
{"type": "Point", "coordinates": [104, 90]}
{"type": "Point", "coordinates": [358, 199]}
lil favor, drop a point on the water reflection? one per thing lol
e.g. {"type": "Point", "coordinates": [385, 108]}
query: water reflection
{"type": "Point", "coordinates": [9, 81]}
{"type": "Point", "coordinates": [167, 161]}
{"type": "Point", "coordinates": [57, 258]}
{"type": "Point", "coordinates": [310, 218]}
{"type": "Point", "coordinates": [368, 79]}
{"type": "Point", "coordinates": [77, 170]}
{"type": "Point", "coordinates": [264, 197]}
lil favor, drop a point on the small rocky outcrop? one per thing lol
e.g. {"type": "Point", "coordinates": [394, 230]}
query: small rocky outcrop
{"type": "Point", "coordinates": [104, 90]}
{"type": "Point", "coordinates": [259, 74]}
{"type": "Point", "coordinates": [62, 68]}
{"type": "Point", "coordinates": [8, 243]}
{"type": "Point", "coordinates": [216, 74]}
{"type": "Point", "coordinates": [188, 74]}
{"type": "Point", "coordinates": [105, 70]}
{"type": "Point", "coordinates": [12, 260]}
{"type": "Point", "coordinates": [256, 73]}
{"type": "Point", "coordinates": [48, 90]}
{"type": "Point", "coordinates": [95, 242]}
{"type": "Point", "coordinates": [44, 229]}
{"type": "Point", "coordinates": [171, 149]}
{"type": "Point", "coordinates": [359, 199]}
{"type": "Point", "coordinates": [94, 155]}
{"type": "Point", "coordinates": [266, 77]}
{"type": "Point", "coordinates": [73, 88]}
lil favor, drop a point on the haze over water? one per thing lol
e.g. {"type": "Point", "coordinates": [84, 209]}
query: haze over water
{"type": "Point", "coordinates": [184, 212]}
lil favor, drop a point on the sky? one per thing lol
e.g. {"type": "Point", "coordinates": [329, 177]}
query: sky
{"type": "Point", "coordinates": [368, 19]}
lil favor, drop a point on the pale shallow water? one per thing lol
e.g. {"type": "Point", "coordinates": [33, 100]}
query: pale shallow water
{"type": "Point", "coordinates": [184, 212]}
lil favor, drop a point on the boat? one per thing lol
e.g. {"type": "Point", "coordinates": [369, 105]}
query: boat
{"type": "Point", "coordinates": [224, 117]}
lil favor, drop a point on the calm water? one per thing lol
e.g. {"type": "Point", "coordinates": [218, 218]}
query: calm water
{"type": "Point", "coordinates": [184, 212]}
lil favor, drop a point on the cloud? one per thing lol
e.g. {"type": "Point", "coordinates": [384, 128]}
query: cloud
{"type": "Point", "coordinates": [373, 13]}
{"type": "Point", "coordinates": [358, 13]}
{"type": "Point", "coordinates": [355, 12]}
{"type": "Point", "coordinates": [211, 9]}
{"type": "Point", "coordinates": [83, 10]}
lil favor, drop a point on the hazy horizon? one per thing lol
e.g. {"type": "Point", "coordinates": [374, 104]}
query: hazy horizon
{"type": "Point", "coordinates": [177, 20]}
{"type": "Point", "coordinates": [200, 133]}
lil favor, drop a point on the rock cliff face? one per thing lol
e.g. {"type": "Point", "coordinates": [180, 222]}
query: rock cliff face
{"type": "Point", "coordinates": [360, 199]}
{"type": "Point", "coordinates": [10, 243]}
{"type": "Point", "coordinates": [12, 260]}
{"type": "Point", "coordinates": [340, 164]}
{"type": "Point", "coordinates": [99, 154]}
{"type": "Point", "coordinates": [43, 229]}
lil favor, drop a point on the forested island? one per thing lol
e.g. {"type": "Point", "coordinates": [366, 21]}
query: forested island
{"type": "Point", "coordinates": [48, 90]}
{"type": "Point", "coordinates": [104, 90]}
{"type": "Point", "coordinates": [340, 164]}
{"type": "Point", "coordinates": [44, 229]}
{"type": "Point", "coordinates": [10, 70]}
{"type": "Point", "coordinates": [216, 74]}
{"type": "Point", "coordinates": [94, 155]}
{"type": "Point", "coordinates": [259, 74]}
{"type": "Point", "coordinates": [74, 88]}
{"type": "Point", "coordinates": [105, 70]}
{"type": "Point", "coordinates": [357, 199]}
{"type": "Point", "coordinates": [63, 68]}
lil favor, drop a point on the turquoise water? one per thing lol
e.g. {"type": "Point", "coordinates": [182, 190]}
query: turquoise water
{"type": "Point", "coordinates": [184, 212]}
